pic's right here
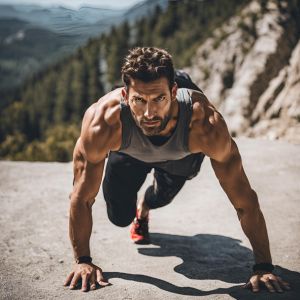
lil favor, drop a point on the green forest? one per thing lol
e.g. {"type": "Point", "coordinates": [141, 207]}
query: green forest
{"type": "Point", "coordinates": [42, 122]}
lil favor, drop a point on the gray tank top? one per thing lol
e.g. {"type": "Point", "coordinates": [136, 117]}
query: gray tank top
{"type": "Point", "coordinates": [173, 156]}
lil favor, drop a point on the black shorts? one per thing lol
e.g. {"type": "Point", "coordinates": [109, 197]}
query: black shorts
{"type": "Point", "coordinates": [124, 176]}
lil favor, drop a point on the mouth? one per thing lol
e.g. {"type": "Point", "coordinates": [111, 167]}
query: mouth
{"type": "Point", "coordinates": [151, 123]}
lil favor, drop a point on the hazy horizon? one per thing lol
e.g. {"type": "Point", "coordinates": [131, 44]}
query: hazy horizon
{"type": "Point", "coordinates": [74, 4]}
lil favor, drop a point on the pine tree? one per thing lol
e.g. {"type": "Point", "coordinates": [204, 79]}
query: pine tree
{"type": "Point", "coordinates": [63, 105]}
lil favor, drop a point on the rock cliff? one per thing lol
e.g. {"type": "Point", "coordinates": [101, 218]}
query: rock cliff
{"type": "Point", "coordinates": [250, 69]}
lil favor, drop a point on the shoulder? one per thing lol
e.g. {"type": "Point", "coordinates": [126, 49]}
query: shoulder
{"type": "Point", "coordinates": [205, 113]}
{"type": "Point", "coordinates": [208, 130]}
{"type": "Point", "coordinates": [101, 127]}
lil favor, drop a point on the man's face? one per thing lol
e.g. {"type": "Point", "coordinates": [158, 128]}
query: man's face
{"type": "Point", "coordinates": [150, 104]}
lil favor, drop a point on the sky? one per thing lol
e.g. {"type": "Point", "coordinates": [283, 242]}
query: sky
{"type": "Point", "coordinates": [75, 4]}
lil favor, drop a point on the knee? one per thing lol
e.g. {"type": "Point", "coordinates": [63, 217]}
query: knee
{"type": "Point", "coordinates": [121, 220]}
{"type": "Point", "coordinates": [121, 223]}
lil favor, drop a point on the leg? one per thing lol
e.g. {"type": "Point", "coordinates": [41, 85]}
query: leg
{"type": "Point", "coordinates": [123, 178]}
{"type": "Point", "coordinates": [165, 187]}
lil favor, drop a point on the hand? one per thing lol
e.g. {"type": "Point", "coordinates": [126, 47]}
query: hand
{"type": "Point", "coordinates": [89, 273]}
{"type": "Point", "coordinates": [271, 281]}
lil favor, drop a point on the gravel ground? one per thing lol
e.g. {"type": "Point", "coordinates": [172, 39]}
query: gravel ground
{"type": "Point", "coordinates": [198, 248]}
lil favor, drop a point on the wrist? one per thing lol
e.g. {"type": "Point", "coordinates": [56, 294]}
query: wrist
{"type": "Point", "coordinates": [269, 267]}
{"type": "Point", "coordinates": [83, 260]}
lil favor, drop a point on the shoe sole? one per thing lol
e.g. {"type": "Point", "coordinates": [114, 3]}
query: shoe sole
{"type": "Point", "coordinates": [142, 242]}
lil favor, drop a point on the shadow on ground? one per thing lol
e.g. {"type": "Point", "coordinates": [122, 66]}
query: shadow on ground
{"type": "Point", "coordinates": [209, 257]}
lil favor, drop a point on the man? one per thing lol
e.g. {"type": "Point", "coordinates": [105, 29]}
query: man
{"type": "Point", "coordinates": [148, 124]}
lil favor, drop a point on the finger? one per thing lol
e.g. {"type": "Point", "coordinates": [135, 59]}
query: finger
{"type": "Point", "coordinates": [93, 281]}
{"type": "Point", "coordinates": [69, 278]}
{"type": "Point", "coordinates": [269, 285]}
{"type": "Point", "coordinates": [247, 285]}
{"type": "Point", "coordinates": [284, 284]}
{"type": "Point", "coordinates": [255, 284]}
{"type": "Point", "coordinates": [84, 282]}
{"type": "Point", "coordinates": [74, 281]}
{"type": "Point", "coordinates": [100, 279]}
{"type": "Point", "coordinates": [276, 285]}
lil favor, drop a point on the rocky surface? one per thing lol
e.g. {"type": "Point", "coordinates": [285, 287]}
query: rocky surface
{"type": "Point", "coordinates": [250, 69]}
{"type": "Point", "coordinates": [198, 248]}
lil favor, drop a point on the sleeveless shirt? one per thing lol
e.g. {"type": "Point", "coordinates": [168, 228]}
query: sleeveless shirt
{"type": "Point", "coordinates": [173, 156]}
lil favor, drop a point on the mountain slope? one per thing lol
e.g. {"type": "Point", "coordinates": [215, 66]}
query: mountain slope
{"type": "Point", "coordinates": [250, 70]}
{"type": "Point", "coordinates": [25, 49]}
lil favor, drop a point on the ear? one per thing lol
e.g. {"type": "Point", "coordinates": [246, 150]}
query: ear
{"type": "Point", "coordinates": [174, 91]}
{"type": "Point", "coordinates": [125, 95]}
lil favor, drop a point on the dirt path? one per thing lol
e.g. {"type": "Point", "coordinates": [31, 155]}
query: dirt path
{"type": "Point", "coordinates": [198, 248]}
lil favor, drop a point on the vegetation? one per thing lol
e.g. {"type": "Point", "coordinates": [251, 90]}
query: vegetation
{"type": "Point", "coordinates": [43, 122]}
{"type": "Point", "coordinates": [18, 56]}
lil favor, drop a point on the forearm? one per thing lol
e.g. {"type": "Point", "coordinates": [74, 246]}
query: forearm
{"type": "Point", "coordinates": [80, 227]}
{"type": "Point", "coordinates": [235, 184]}
{"type": "Point", "coordinates": [254, 227]}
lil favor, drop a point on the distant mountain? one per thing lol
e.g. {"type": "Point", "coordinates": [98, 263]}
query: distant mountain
{"type": "Point", "coordinates": [83, 22]}
{"type": "Point", "coordinates": [24, 49]}
{"type": "Point", "coordinates": [143, 9]}
{"type": "Point", "coordinates": [32, 36]}
{"type": "Point", "coordinates": [63, 20]}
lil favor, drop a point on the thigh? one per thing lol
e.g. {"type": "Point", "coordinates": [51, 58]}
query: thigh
{"type": "Point", "coordinates": [123, 178]}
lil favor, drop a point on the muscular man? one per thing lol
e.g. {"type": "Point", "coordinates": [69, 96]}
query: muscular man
{"type": "Point", "coordinates": [148, 124]}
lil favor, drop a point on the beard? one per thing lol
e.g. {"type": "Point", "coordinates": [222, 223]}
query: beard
{"type": "Point", "coordinates": [152, 130]}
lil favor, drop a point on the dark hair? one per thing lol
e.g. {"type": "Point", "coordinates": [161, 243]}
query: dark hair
{"type": "Point", "coordinates": [147, 64]}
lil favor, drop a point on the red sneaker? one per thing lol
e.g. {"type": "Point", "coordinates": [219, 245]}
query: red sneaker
{"type": "Point", "coordinates": [139, 231]}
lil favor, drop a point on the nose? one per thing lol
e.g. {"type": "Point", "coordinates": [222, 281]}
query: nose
{"type": "Point", "coordinates": [150, 111]}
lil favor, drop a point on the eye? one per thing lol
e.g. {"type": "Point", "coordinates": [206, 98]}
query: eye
{"type": "Point", "coordinates": [160, 99]}
{"type": "Point", "coordinates": [139, 100]}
